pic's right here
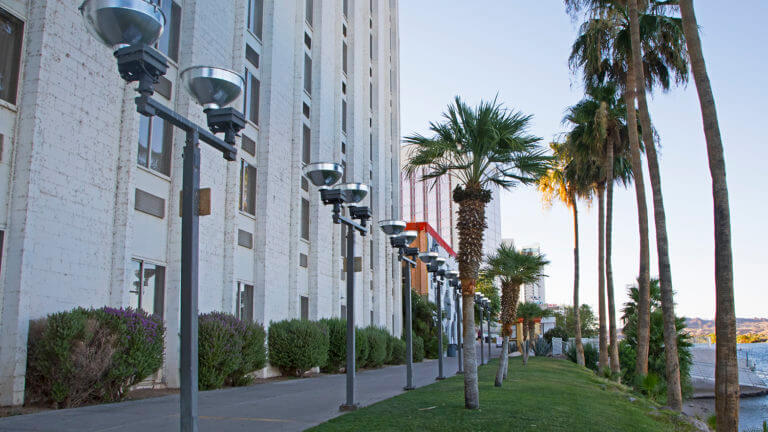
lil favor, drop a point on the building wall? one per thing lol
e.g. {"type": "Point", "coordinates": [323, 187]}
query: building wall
{"type": "Point", "coordinates": [69, 170]}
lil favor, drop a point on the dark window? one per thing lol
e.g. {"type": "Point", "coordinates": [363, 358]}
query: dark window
{"type": "Point", "coordinates": [305, 110]}
{"type": "Point", "coordinates": [304, 184]}
{"type": "Point", "coordinates": [344, 30]}
{"type": "Point", "coordinates": [345, 8]}
{"type": "Point", "coordinates": [247, 188]}
{"type": "Point", "coordinates": [370, 90]}
{"type": "Point", "coordinates": [307, 74]}
{"type": "Point", "coordinates": [150, 204]}
{"type": "Point", "coordinates": [251, 100]}
{"type": "Point", "coordinates": [252, 56]}
{"type": "Point", "coordinates": [169, 40]}
{"type": "Point", "coordinates": [303, 260]}
{"type": "Point", "coordinates": [2, 243]}
{"type": "Point", "coordinates": [344, 175]}
{"type": "Point", "coordinates": [370, 41]}
{"type": "Point", "coordinates": [371, 317]}
{"type": "Point", "coordinates": [244, 239]}
{"type": "Point", "coordinates": [344, 57]}
{"type": "Point", "coordinates": [304, 308]}
{"type": "Point", "coordinates": [164, 87]}
{"type": "Point", "coordinates": [2, 145]}
{"type": "Point", "coordinates": [343, 87]}
{"type": "Point", "coordinates": [248, 145]}
{"type": "Point", "coordinates": [344, 147]}
{"type": "Point", "coordinates": [373, 258]}
{"type": "Point", "coordinates": [304, 219]}
{"type": "Point", "coordinates": [147, 288]}
{"type": "Point", "coordinates": [306, 145]}
{"type": "Point", "coordinates": [155, 142]}
{"type": "Point", "coordinates": [308, 9]}
{"type": "Point", "coordinates": [10, 55]}
{"type": "Point", "coordinates": [344, 116]}
{"type": "Point", "coordinates": [256, 17]}
{"type": "Point", "coordinates": [371, 145]}
{"type": "Point", "coordinates": [244, 308]}
{"type": "Point", "coordinates": [307, 41]}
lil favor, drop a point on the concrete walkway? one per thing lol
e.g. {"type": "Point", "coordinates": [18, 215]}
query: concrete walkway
{"type": "Point", "coordinates": [291, 405]}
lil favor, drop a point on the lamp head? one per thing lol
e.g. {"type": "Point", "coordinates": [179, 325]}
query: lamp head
{"type": "Point", "coordinates": [212, 87]}
{"type": "Point", "coordinates": [392, 227]}
{"type": "Point", "coordinates": [452, 274]}
{"type": "Point", "coordinates": [353, 193]}
{"type": "Point", "coordinates": [439, 261]}
{"type": "Point", "coordinates": [323, 174]}
{"type": "Point", "coordinates": [119, 23]}
{"type": "Point", "coordinates": [409, 236]}
{"type": "Point", "coordinates": [427, 257]}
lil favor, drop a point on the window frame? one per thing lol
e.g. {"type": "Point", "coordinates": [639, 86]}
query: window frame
{"type": "Point", "coordinates": [244, 189]}
{"type": "Point", "coordinates": [19, 60]}
{"type": "Point", "coordinates": [167, 143]}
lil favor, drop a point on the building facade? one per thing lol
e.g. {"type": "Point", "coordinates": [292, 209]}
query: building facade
{"type": "Point", "coordinates": [535, 292]}
{"type": "Point", "coordinates": [89, 189]}
{"type": "Point", "coordinates": [432, 202]}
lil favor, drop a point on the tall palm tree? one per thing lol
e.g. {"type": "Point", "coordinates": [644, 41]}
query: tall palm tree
{"type": "Point", "coordinates": [561, 182]}
{"type": "Point", "coordinates": [479, 147]}
{"type": "Point", "coordinates": [726, 371]}
{"type": "Point", "coordinates": [599, 136]}
{"type": "Point", "coordinates": [528, 312]}
{"type": "Point", "coordinates": [513, 268]}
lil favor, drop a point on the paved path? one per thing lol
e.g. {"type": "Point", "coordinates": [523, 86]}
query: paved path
{"type": "Point", "coordinates": [291, 405]}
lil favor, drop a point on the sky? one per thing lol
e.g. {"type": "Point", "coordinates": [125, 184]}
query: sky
{"type": "Point", "coordinates": [519, 50]}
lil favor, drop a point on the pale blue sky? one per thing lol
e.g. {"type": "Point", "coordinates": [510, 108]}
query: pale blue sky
{"type": "Point", "coordinates": [520, 49]}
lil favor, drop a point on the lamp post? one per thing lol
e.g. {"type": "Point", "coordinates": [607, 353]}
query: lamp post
{"type": "Point", "coordinates": [437, 277]}
{"type": "Point", "coordinates": [455, 284]}
{"type": "Point", "coordinates": [407, 255]}
{"type": "Point", "coordinates": [488, 311]}
{"type": "Point", "coordinates": [479, 303]}
{"type": "Point", "coordinates": [324, 175]}
{"type": "Point", "coordinates": [130, 27]}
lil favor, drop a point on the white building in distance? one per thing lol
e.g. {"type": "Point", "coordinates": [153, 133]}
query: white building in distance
{"type": "Point", "coordinates": [89, 189]}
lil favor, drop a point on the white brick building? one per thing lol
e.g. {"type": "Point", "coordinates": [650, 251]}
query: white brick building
{"type": "Point", "coordinates": [87, 216]}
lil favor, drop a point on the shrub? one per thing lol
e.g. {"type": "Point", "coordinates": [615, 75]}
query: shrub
{"type": "Point", "coordinates": [418, 349]}
{"type": "Point", "coordinates": [88, 355]}
{"type": "Point", "coordinates": [362, 347]}
{"type": "Point", "coordinates": [542, 348]}
{"type": "Point", "coordinates": [590, 355]}
{"type": "Point", "coordinates": [228, 349]}
{"type": "Point", "coordinates": [390, 346]}
{"type": "Point", "coordinates": [556, 332]}
{"type": "Point", "coordinates": [296, 346]}
{"type": "Point", "coordinates": [398, 351]}
{"type": "Point", "coordinates": [431, 347]}
{"type": "Point", "coordinates": [337, 344]}
{"type": "Point", "coordinates": [377, 343]}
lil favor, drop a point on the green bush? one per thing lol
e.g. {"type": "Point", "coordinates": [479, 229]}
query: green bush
{"type": "Point", "coordinates": [337, 344]}
{"type": "Point", "coordinates": [229, 349]}
{"type": "Point", "coordinates": [362, 347]}
{"type": "Point", "coordinates": [296, 346]}
{"type": "Point", "coordinates": [556, 332]}
{"type": "Point", "coordinates": [591, 355]}
{"type": "Point", "coordinates": [431, 347]}
{"type": "Point", "coordinates": [377, 343]}
{"type": "Point", "coordinates": [418, 349]}
{"type": "Point", "coordinates": [398, 351]}
{"type": "Point", "coordinates": [390, 346]}
{"type": "Point", "coordinates": [88, 355]}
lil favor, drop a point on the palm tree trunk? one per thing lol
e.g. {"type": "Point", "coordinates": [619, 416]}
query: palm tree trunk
{"type": "Point", "coordinates": [674, 394]}
{"type": "Point", "coordinates": [643, 278]}
{"type": "Point", "coordinates": [613, 334]}
{"type": "Point", "coordinates": [576, 315]}
{"type": "Point", "coordinates": [603, 357]}
{"type": "Point", "coordinates": [471, 226]}
{"type": "Point", "coordinates": [726, 368]}
{"type": "Point", "coordinates": [501, 373]}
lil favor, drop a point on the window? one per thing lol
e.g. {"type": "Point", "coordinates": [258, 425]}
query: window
{"type": "Point", "coordinates": [373, 258]}
{"type": "Point", "coordinates": [344, 175]}
{"type": "Point", "coordinates": [307, 41]}
{"type": "Point", "coordinates": [371, 145]}
{"type": "Point", "coordinates": [305, 109]}
{"type": "Point", "coordinates": [10, 55]}
{"type": "Point", "coordinates": [155, 142]}
{"type": "Point", "coordinates": [244, 302]}
{"type": "Point", "coordinates": [247, 188]}
{"type": "Point", "coordinates": [248, 145]}
{"type": "Point", "coordinates": [252, 56]}
{"type": "Point", "coordinates": [345, 8]}
{"type": "Point", "coordinates": [251, 100]}
{"type": "Point", "coordinates": [344, 116]}
{"type": "Point", "coordinates": [343, 147]}
{"type": "Point", "coordinates": [307, 74]}
{"type": "Point", "coordinates": [169, 40]}
{"type": "Point", "coordinates": [2, 242]}
{"type": "Point", "coordinates": [256, 17]}
{"type": "Point", "coordinates": [308, 10]}
{"type": "Point", "coordinates": [304, 307]}
{"type": "Point", "coordinates": [370, 91]}
{"type": "Point", "coordinates": [147, 289]}
{"type": "Point", "coordinates": [343, 311]}
{"type": "Point", "coordinates": [344, 30]}
{"type": "Point", "coordinates": [303, 260]}
{"type": "Point", "coordinates": [344, 57]}
{"type": "Point", "coordinates": [305, 219]}
{"type": "Point", "coordinates": [370, 41]}
{"type": "Point", "coordinates": [306, 145]}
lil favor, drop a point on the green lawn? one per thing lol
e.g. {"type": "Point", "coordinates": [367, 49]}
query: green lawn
{"type": "Point", "coordinates": [546, 395]}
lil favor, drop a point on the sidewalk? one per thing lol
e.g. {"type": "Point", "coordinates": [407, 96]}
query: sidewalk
{"type": "Point", "coordinates": [291, 405]}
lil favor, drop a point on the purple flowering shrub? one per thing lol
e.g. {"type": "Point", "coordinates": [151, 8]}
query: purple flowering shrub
{"type": "Point", "coordinates": [91, 355]}
{"type": "Point", "coordinates": [228, 349]}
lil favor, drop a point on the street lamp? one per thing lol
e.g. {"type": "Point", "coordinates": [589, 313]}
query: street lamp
{"type": "Point", "coordinates": [324, 175]}
{"type": "Point", "coordinates": [453, 282]}
{"type": "Point", "coordinates": [130, 27]}
{"type": "Point", "coordinates": [479, 302]}
{"type": "Point", "coordinates": [437, 277]}
{"type": "Point", "coordinates": [401, 241]}
{"type": "Point", "coordinates": [488, 311]}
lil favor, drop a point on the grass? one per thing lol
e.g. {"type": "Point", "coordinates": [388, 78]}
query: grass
{"type": "Point", "coordinates": [546, 395]}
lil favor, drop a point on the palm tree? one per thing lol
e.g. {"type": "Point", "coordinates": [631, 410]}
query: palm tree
{"type": "Point", "coordinates": [479, 147]}
{"type": "Point", "coordinates": [513, 268]}
{"type": "Point", "coordinates": [726, 371]}
{"type": "Point", "coordinates": [561, 182]}
{"type": "Point", "coordinates": [599, 136]}
{"type": "Point", "coordinates": [528, 312]}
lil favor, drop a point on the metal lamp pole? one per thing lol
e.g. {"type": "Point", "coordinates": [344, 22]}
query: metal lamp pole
{"type": "Point", "coordinates": [488, 309]}
{"type": "Point", "coordinates": [459, 344]}
{"type": "Point", "coordinates": [407, 255]}
{"type": "Point", "coordinates": [131, 27]}
{"type": "Point", "coordinates": [436, 271]}
{"type": "Point", "coordinates": [478, 302]}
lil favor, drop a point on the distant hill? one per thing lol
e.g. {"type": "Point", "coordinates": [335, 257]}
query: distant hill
{"type": "Point", "coordinates": [702, 327]}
